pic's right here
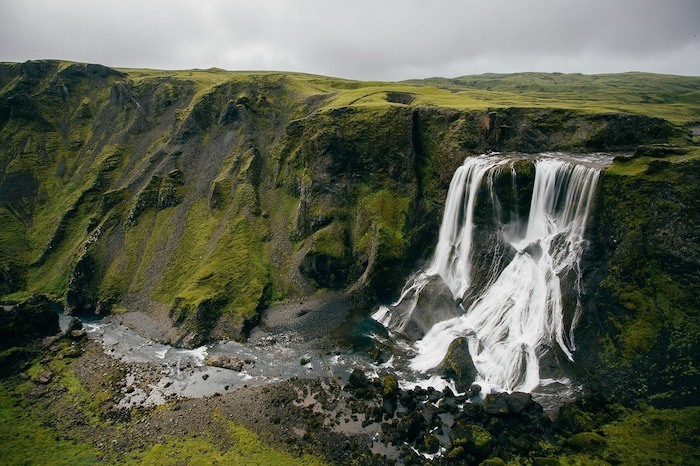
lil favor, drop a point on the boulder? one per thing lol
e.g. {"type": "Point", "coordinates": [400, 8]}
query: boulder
{"type": "Point", "coordinates": [496, 404]}
{"type": "Point", "coordinates": [458, 364]}
{"type": "Point", "coordinates": [519, 402]}
{"type": "Point", "coordinates": [44, 378]}
{"type": "Point", "coordinates": [358, 379]}
{"type": "Point", "coordinates": [433, 304]}
{"type": "Point", "coordinates": [390, 387]}
{"type": "Point", "coordinates": [226, 362]}
{"type": "Point", "coordinates": [74, 324]}
{"type": "Point", "coordinates": [77, 334]}
{"type": "Point", "coordinates": [475, 439]}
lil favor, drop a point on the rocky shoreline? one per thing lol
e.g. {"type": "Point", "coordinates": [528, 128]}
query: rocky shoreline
{"type": "Point", "coordinates": [361, 420]}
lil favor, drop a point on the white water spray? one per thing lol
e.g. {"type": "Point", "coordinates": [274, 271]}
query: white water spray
{"type": "Point", "coordinates": [519, 316]}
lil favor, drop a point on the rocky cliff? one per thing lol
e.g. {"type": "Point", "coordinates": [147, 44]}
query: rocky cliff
{"type": "Point", "coordinates": [202, 197]}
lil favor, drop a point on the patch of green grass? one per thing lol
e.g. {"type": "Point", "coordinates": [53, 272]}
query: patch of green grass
{"type": "Point", "coordinates": [656, 436]}
{"type": "Point", "coordinates": [639, 165]}
{"type": "Point", "coordinates": [665, 96]}
{"type": "Point", "coordinates": [23, 440]}
{"type": "Point", "coordinates": [246, 447]}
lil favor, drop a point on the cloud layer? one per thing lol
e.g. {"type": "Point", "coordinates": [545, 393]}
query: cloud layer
{"type": "Point", "coordinates": [363, 39]}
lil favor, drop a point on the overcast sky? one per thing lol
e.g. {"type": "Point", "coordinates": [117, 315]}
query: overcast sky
{"type": "Point", "coordinates": [362, 39]}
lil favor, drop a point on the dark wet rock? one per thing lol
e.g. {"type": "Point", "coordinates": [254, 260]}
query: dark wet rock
{"type": "Point", "coordinates": [429, 413]}
{"type": "Point", "coordinates": [472, 411]}
{"type": "Point", "coordinates": [409, 427]}
{"type": "Point", "coordinates": [74, 324]}
{"type": "Point", "coordinates": [448, 405]}
{"type": "Point", "coordinates": [496, 404]}
{"type": "Point", "coordinates": [458, 364]}
{"type": "Point", "coordinates": [358, 379]}
{"type": "Point", "coordinates": [205, 376]}
{"type": "Point", "coordinates": [475, 439]}
{"type": "Point", "coordinates": [431, 444]}
{"type": "Point", "coordinates": [389, 406]}
{"type": "Point", "coordinates": [519, 402]}
{"type": "Point", "coordinates": [34, 318]}
{"type": "Point", "coordinates": [434, 304]}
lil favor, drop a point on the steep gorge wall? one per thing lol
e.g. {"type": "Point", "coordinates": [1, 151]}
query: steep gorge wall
{"type": "Point", "coordinates": [640, 334]}
{"type": "Point", "coordinates": [207, 202]}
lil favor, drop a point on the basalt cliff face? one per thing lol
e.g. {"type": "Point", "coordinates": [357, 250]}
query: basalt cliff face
{"type": "Point", "coordinates": [203, 197]}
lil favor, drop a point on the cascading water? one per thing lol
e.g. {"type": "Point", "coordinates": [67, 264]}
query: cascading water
{"type": "Point", "coordinates": [519, 315]}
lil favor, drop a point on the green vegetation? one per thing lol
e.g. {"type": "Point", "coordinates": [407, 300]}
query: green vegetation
{"type": "Point", "coordinates": [67, 422]}
{"type": "Point", "coordinates": [24, 440]}
{"type": "Point", "coordinates": [648, 299]}
{"type": "Point", "coordinates": [642, 436]}
{"type": "Point", "coordinates": [212, 193]}
{"type": "Point", "coordinates": [670, 97]}
{"type": "Point", "coordinates": [246, 448]}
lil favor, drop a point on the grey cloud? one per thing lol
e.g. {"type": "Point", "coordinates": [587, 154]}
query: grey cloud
{"type": "Point", "coordinates": [363, 39]}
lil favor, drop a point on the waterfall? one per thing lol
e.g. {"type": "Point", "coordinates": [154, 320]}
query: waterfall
{"type": "Point", "coordinates": [519, 314]}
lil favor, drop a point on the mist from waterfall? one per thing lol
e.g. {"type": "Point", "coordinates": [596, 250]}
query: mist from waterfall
{"type": "Point", "coordinates": [519, 314]}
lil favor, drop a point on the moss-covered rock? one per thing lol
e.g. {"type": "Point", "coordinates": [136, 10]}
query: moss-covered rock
{"type": "Point", "coordinates": [458, 364]}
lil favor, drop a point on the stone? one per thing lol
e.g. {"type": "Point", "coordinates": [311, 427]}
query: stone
{"type": "Point", "coordinates": [519, 402]}
{"type": "Point", "coordinates": [496, 404]}
{"type": "Point", "coordinates": [456, 453]}
{"type": "Point", "coordinates": [429, 413]}
{"type": "Point", "coordinates": [44, 378]}
{"type": "Point", "coordinates": [390, 387]}
{"type": "Point", "coordinates": [389, 406]}
{"type": "Point", "coordinates": [226, 362]}
{"type": "Point", "coordinates": [74, 324]}
{"type": "Point", "coordinates": [475, 439]}
{"type": "Point", "coordinates": [458, 364]}
{"type": "Point", "coordinates": [358, 379]}
{"type": "Point", "coordinates": [434, 304]}
{"type": "Point", "coordinates": [77, 334]}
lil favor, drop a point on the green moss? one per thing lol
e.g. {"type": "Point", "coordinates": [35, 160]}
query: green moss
{"type": "Point", "coordinates": [667, 436]}
{"type": "Point", "coordinates": [219, 264]}
{"type": "Point", "coordinates": [23, 440]}
{"type": "Point", "coordinates": [382, 217]}
{"type": "Point", "coordinates": [246, 447]}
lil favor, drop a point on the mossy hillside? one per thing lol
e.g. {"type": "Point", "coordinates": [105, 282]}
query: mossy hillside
{"type": "Point", "coordinates": [130, 178]}
{"type": "Point", "coordinates": [646, 318]}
